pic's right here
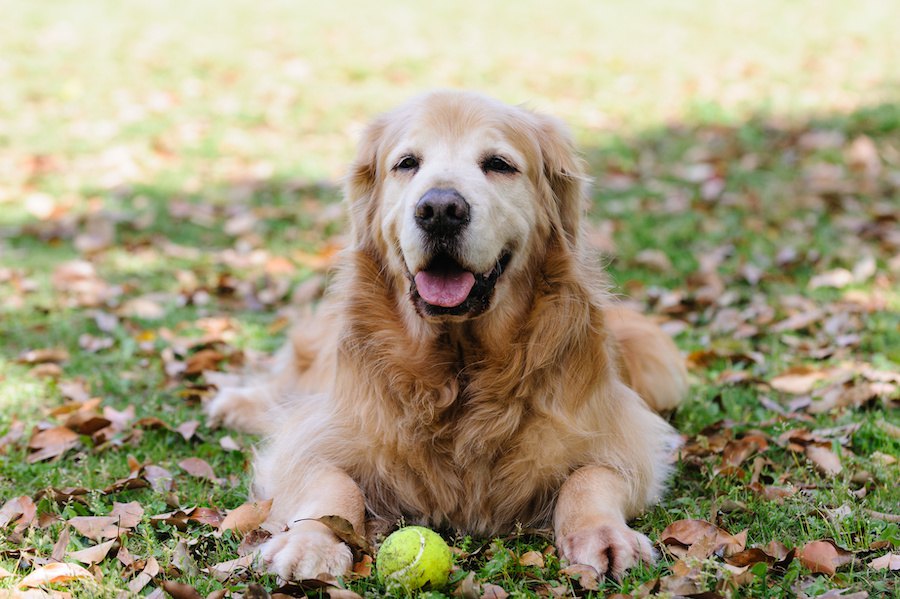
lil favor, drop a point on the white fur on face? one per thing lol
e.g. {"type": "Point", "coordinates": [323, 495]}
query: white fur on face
{"type": "Point", "coordinates": [502, 208]}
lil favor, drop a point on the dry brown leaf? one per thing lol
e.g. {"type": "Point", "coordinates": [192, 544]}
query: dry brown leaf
{"type": "Point", "coordinates": [145, 308]}
{"type": "Point", "coordinates": [838, 278]}
{"type": "Point", "coordinates": [97, 528]}
{"type": "Point", "coordinates": [343, 530]}
{"type": "Point", "coordinates": [247, 517]}
{"type": "Point", "coordinates": [586, 576]}
{"type": "Point", "coordinates": [888, 561]}
{"type": "Point", "coordinates": [824, 557]}
{"type": "Point", "coordinates": [180, 518]}
{"type": "Point", "coordinates": [51, 443]}
{"type": "Point", "coordinates": [229, 444]}
{"type": "Point", "coordinates": [737, 451]}
{"type": "Point", "coordinates": [54, 355]}
{"type": "Point", "coordinates": [151, 569]}
{"type": "Point", "coordinates": [654, 259]}
{"type": "Point", "coordinates": [19, 510]}
{"type": "Point", "coordinates": [363, 568]}
{"type": "Point", "coordinates": [532, 558]}
{"type": "Point", "coordinates": [179, 590]}
{"type": "Point", "coordinates": [682, 534]}
{"type": "Point", "coordinates": [799, 380]}
{"type": "Point", "coordinates": [59, 548]}
{"type": "Point", "coordinates": [826, 461]}
{"type": "Point", "coordinates": [198, 468]}
{"type": "Point", "coordinates": [93, 555]}
{"type": "Point", "coordinates": [129, 514]}
{"type": "Point", "coordinates": [188, 429]}
{"type": "Point", "coordinates": [55, 573]}
{"type": "Point", "coordinates": [16, 431]}
{"type": "Point", "coordinates": [205, 359]}
{"type": "Point", "coordinates": [798, 321]}
{"type": "Point", "coordinates": [225, 570]}
{"type": "Point", "coordinates": [489, 591]}
{"type": "Point", "coordinates": [749, 557]}
{"type": "Point", "coordinates": [160, 479]}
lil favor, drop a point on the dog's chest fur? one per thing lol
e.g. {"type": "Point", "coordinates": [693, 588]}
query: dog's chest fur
{"type": "Point", "coordinates": [465, 447]}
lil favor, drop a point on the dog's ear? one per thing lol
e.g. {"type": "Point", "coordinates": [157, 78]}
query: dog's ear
{"type": "Point", "coordinates": [565, 172]}
{"type": "Point", "coordinates": [361, 184]}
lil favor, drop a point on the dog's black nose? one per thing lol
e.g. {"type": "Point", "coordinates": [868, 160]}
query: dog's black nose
{"type": "Point", "coordinates": [442, 212]}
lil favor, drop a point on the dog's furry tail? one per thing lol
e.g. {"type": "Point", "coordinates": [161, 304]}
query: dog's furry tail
{"type": "Point", "coordinates": [649, 360]}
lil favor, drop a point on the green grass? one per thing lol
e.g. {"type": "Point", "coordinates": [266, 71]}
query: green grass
{"type": "Point", "coordinates": [173, 121]}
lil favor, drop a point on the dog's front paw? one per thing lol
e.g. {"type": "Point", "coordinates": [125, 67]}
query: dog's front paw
{"type": "Point", "coordinates": [306, 551]}
{"type": "Point", "coordinates": [610, 548]}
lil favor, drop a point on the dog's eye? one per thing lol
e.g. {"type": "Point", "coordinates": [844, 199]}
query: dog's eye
{"type": "Point", "coordinates": [407, 163]}
{"type": "Point", "coordinates": [497, 164]}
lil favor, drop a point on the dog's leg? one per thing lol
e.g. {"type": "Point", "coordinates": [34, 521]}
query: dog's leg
{"type": "Point", "coordinates": [649, 360]}
{"type": "Point", "coordinates": [308, 548]}
{"type": "Point", "coordinates": [590, 523]}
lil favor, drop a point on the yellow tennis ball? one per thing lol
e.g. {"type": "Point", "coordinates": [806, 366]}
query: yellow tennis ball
{"type": "Point", "coordinates": [413, 557]}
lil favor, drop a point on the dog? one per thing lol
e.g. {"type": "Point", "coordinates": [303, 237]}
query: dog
{"type": "Point", "coordinates": [468, 368]}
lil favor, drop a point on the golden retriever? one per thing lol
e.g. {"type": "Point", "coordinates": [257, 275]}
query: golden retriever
{"type": "Point", "coordinates": [468, 368]}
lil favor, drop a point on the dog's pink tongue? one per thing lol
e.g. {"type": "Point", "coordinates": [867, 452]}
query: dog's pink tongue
{"type": "Point", "coordinates": [445, 289]}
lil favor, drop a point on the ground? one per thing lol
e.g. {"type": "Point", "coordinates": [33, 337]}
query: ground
{"type": "Point", "coordinates": [169, 186]}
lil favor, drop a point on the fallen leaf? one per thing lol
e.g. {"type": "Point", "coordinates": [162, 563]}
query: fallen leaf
{"type": "Point", "coordinates": [53, 355]}
{"type": "Point", "coordinates": [93, 555]}
{"type": "Point", "coordinates": [225, 570]}
{"type": "Point", "coordinates": [229, 444]}
{"type": "Point", "coordinates": [799, 380]}
{"type": "Point", "coordinates": [489, 591]}
{"type": "Point", "coordinates": [363, 568]}
{"type": "Point", "coordinates": [160, 479]}
{"type": "Point", "coordinates": [151, 569]}
{"type": "Point", "coordinates": [198, 468]}
{"type": "Point", "coordinates": [55, 573]}
{"type": "Point", "coordinates": [586, 576]}
{"type": "Point", "coordinates": [654, 259]}
{"type": "Point", "coordinates": [51, 443]}
{"type": "Point", "coordinates": [247, 517]}
{"type": "Point", "coordinates": [343, 530]}
{"type": "Point", "coordinates": [188, 429]}
{"type": "Point", "coordinates": [97, 527]}
{"type": "Point", "coordinates": [826, 461]}
{"type": "Point", "coordinates": [129, 514]}
{"type": "Point", "coordinates": [682, 534]}
{"type": "Point", "coordinates": [838, 278]}
{"type": "Point", "coordinates": [144, 308]}
{"type": "Point", "coordinates": [59, 548]}
{"type": "Point", "coordinates": [888, 561]}
{"type": "Point", "coordinates": [532, 558]}
{"type": "Point", "coordinates": [19, 510]}
{"type": "Point", "coordinates": [180, 518]}
{"type": "Point", "coordinates": [337, 593]}
{"type": "Point", "coordinates": [16, 431]}
{"type": "Point", "coordinates": [738, 450]}
{"type": "Point", "coordinates": [824, 557]}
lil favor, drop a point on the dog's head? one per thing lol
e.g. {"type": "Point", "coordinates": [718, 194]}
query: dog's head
{"type": "Point", "coordinates": [458, 194]}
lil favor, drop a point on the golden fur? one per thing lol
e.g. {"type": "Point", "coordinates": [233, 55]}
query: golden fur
{"type": "Point", "coordinates": [528, 413]}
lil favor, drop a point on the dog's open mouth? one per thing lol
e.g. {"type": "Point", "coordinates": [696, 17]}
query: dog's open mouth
{"type": "Point", "coordinates": [445, 287]}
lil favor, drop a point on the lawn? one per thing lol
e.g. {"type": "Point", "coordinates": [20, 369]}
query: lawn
{"type": "Point", "coordinates": [169, 197]}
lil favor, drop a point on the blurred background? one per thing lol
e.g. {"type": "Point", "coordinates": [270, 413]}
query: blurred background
{"type": "Point", "coordinates": [198, 92]}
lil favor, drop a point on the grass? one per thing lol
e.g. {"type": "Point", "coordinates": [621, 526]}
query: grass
{"type": "Point", "coordinates": [205, 138]}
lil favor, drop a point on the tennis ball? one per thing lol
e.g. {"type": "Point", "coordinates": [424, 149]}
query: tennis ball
{"type": "Point", "coordinates": [413, 557]}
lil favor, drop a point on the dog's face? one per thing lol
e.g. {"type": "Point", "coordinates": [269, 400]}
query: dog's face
{"type": "Point", "coordinates": [457, 193]}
